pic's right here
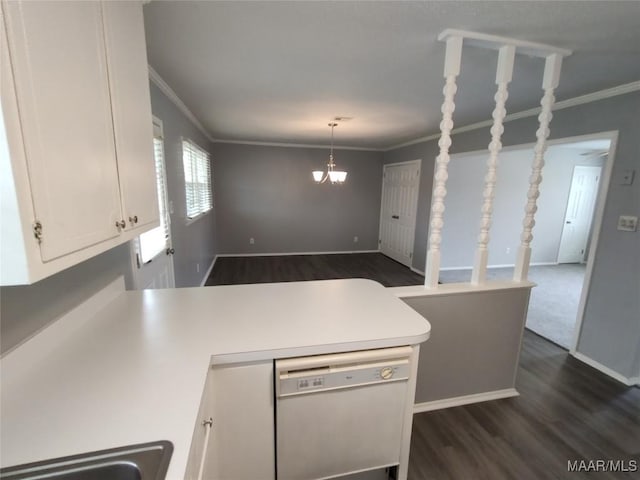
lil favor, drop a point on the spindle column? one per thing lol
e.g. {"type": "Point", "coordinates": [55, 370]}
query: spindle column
{"type": "Point", "coordinates": [550, 81]}
{"type": "Point", "coordinates": [504, 74]}
{"type": "Point", "coordinates": [451, 71]}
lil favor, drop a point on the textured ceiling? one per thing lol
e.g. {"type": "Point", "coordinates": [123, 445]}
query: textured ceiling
{"type": "Point", "coordinates": [280, 71]}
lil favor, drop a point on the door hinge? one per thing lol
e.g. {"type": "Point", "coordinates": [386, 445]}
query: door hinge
{"type": "Point", "coordinates": [37, 231]}
{"type": "Point", "coordinates": [379, 241]}
{"type": "Point", "coordinates": [138, 260]}
{"type": "Point", "coordinates": [411, 255]}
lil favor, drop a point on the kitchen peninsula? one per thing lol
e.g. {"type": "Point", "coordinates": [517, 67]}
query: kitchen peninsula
{"type": "Point", "coordinates": [134, 370]}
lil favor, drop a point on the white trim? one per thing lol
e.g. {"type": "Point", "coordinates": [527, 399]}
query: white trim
{"type": "Point", "coordinates": [208, 272]}
{"type": "Point", "coordinates": [295, 145]}
{"type": "Point", "coordinates": [287, 254]}
{"type": "Point", "coordinates": [570, 102]}
{"type": "Point", "coordinates": [415, 270]}
{"type": "Point", "coordinates": [164, 87]}
{"type": "Point", "coordinates": [464, 400]}
{"type": "Point", "coordinates": [501, 265]}
{"type": "Point", "coordinates": [457, 288]}
{"type": "Point", "coordinates": [596, 226]}
{"type": "Point", "coordinates": [40, 344]}
{"type": "Point", "coordinates": [606, 370]}
{"type": "Point", "coordinates": [494, 42]}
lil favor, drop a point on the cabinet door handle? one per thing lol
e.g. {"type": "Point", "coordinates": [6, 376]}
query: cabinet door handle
{"type": "Point", "coordinates": [133, 219]}
{"type": "Point", "coordinates": [395, 216]}
{"type": "Point", "coordinates": [208, 424]}
{"type": "Point", "coordinates": [121, 224]}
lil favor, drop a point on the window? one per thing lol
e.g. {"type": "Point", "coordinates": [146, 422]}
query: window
{"type": "Point", "coordinates": [197, 179]}
{"type": "Point", "coordinates": [156, 241]}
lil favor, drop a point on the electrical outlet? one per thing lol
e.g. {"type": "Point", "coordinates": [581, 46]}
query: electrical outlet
{"type": "Point", "coordinates": [252, 241]}
{"type": "Point", "coordinates": [627, 223]}
{"type": "Point", "coordinates": [355, 239]}
{"type": "Point", "coordinates": [626, 178]}
{"type": "Point", "coordinates": [508, 250]}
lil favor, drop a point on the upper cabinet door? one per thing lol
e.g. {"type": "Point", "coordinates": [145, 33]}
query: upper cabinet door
{"type": "Point", "coordinates": [131, 104]}
{"type": "Point", "coordinates": [58, 57]}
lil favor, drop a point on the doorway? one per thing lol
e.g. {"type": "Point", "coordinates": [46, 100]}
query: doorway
{"type": "Point", "coordinates": [152, 252]}
{"type": "Point", "coordinates": [400, 185]}
{"type": "Point", "coordinates": [579, 213]}
{"type": "Point", "coordinates": [558, 301]}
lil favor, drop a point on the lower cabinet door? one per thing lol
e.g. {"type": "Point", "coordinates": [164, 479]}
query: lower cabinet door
{"type": "Point", "coordinates": [241, 444]}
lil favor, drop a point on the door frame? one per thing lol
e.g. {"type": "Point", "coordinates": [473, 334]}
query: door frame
{"type": "Point", "coordinates": [417, 162]}
{"type": "Point", "coordinates": [596, 223]}
{"type": "Point", "coordinates": [133, 243]}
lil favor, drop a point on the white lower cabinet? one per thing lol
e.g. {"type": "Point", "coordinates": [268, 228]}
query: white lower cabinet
{"type": "Point", "coordinates": [238, 398]}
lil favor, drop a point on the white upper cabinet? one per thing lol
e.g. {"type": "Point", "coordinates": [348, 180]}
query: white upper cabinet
{"type": "Point", "coordinates": [129, 82]}
{"type": "Point", "coordinates": [77, 140]}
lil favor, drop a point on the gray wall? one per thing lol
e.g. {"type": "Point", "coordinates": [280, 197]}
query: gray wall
{"type": "Point", "coordinates": [464, 197]}
{"type": "Point", "coordinates": [611, 330]}
{"type": "Point", "coordinates": [268, 193]}
{"type": "Point", "coordinates": [194, 242]}
{"type": "Point", "coordinates": [474, 344]}
{"type": "Point", "coordinates": [26, 309]}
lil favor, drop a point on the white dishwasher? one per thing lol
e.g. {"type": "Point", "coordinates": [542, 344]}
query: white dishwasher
{"type": "Point", "coordinates": [340, 414]}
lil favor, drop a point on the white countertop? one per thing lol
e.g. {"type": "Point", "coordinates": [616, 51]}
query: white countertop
{"type": "Point", "coordinates": [134, 372]}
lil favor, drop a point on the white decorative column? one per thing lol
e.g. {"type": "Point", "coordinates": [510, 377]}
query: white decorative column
{"type": "Point", "coordinates": [504, 74]}
{"type": "Point", "coordinates": [451, 71]}
{"type": "Point", "coordinates": [549, 83]}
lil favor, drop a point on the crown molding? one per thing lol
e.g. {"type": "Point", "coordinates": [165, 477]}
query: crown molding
{"type": "Point", "coordinates": [296, 145]}
{"type": "Point", "coordinates": [164, 87]}
{"type": "Point", "coordinates": [570, 102]}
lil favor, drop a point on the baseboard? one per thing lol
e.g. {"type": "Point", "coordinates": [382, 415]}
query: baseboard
{"type": "Point", "coordinates": [629, 382]}
{"type": "Point", "coordinates": [419, 272]}
{"type": "Point", "coordinates": [504, 265]}
{"type": "Point", "coordinates": [464, 400]}
{"type": "Point", "coordinates": [209, 270]}
{"type": "Point", "coordinates": [288, 254]}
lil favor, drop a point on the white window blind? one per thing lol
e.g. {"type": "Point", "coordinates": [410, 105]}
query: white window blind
{"type": "Point", "coordinates": [156, 241]}
{"type": "Point", "coordinates": [197, 179]}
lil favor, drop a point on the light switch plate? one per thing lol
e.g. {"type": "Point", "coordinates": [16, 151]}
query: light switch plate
{"type": "Point", "coordinates": [627, 223]}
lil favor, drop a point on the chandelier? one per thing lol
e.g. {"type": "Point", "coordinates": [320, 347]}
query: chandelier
{"type": "Point", "coordinates": [333, 175]}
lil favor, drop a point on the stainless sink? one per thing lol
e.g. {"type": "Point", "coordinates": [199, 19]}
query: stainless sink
{"type": "Point", "coordinates": [147, 461]}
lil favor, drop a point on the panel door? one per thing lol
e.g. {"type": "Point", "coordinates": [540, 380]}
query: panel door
{"type": "Point", "coordinates": [58, 57]}
{"type": "Point", "coordinates": [131, 106]}
{"type": "Point", "coordinates": [577, 222]}
{"type": "Point", "coordinates": [398, 212]}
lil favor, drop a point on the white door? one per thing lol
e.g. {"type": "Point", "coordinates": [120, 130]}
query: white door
{"type": "Point", "coordinates": [58, 56]}
{"type": "Point", "coordinates": [398, 211]}
{"type": "Point", "coordinates": [152, 251]}
{"type": "Point", "coordinates": [577, 222]}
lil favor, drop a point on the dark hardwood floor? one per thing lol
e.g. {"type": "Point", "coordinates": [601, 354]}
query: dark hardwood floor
{"type": "Point", "coordinates": [566, 411]}
{"type": "Point", "coordinates": [292, 268]}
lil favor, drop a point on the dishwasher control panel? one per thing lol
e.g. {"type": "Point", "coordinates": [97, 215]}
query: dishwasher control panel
{"type": "Point", "coordinates": [332, 377]}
